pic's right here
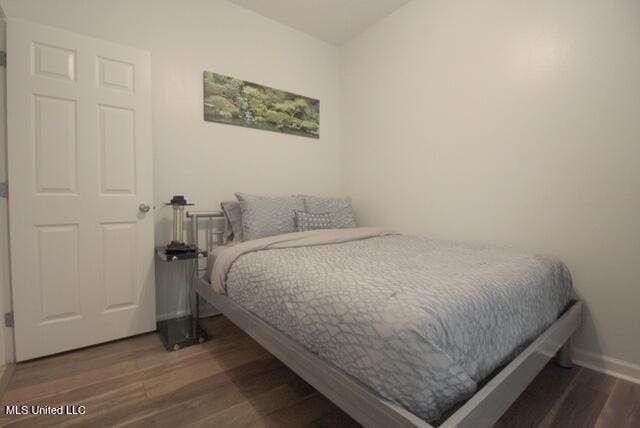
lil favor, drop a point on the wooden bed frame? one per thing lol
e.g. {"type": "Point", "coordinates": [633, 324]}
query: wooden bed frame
{"type": "Point", "coordinates": [483, 409]}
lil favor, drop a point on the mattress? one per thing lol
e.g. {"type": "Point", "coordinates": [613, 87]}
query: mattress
{"type": "Point", "coordinates": [418, 321]}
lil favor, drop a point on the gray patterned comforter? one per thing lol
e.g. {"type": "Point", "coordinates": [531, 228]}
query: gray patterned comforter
{"type": "Point", "coordinates": [419, 321]}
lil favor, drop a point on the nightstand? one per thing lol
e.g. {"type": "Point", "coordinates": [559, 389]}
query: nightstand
{"type": "Point", "coordinates": [178, 333]}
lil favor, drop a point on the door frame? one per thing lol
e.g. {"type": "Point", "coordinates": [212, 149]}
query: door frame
{"type": "Point", "coordinates": [7, 351]}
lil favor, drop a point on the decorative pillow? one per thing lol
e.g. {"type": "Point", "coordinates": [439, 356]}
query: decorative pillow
{"type": "Point", "coordinates": [308, 221]}
{"type": "Point", "coordinates": [265, 216]}
{"type": "Point", "coordinates": [340, 208]}
{"type": "Point", "coordinates": [233, 221]}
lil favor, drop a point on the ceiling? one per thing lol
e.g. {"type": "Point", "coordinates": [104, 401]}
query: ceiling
{"type": "Point", "coordinates": [334, 21]}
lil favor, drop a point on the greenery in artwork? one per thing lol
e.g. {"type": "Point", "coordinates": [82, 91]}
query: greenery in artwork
{"type": "Point", "coordinates": [237, 102]}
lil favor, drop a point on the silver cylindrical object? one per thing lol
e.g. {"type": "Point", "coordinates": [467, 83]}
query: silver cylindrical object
{"type": "Point", "coordinates": [178, 202]}
{"type": "Point", "coordinates": [178, 224]}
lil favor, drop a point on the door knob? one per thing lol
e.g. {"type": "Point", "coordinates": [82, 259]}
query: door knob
{"type": "Point", "coordinates": [144, 208]}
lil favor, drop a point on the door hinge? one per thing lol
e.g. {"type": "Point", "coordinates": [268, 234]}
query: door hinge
{"type": "Point", "coordinates": [8, 319]}
{"type": "Point", "coordinates": [4, 190]}
{"type": "Point", "coordinates": [3, 59]}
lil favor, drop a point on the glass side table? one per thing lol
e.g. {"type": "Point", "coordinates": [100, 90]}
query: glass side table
{"type": "Point", "coordinates": [178, 333]}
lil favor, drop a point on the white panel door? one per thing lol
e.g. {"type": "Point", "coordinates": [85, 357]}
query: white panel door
{"type": "Point", "coordinates": [79, 150]}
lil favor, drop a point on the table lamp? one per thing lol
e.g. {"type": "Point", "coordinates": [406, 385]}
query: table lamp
{"type": "Point", "coordinates": [177, 244]}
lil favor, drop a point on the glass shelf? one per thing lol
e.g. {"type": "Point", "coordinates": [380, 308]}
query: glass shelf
{"type": "Point", "coordinates": [178, 333]}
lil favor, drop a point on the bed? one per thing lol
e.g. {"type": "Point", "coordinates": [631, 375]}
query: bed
{"type": "Point", "coordinates": [396, 330]}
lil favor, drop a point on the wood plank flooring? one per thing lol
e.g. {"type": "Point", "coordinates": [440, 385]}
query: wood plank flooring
{"type": "Point", "coordinates": [231, 381]}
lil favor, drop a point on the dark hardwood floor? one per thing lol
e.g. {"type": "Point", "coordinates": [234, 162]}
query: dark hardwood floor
{"type": "Point", "coordinates": [232, 381]}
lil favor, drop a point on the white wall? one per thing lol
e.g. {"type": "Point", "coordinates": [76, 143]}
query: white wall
{"type": "Point", "coordinates": [510, 122]}
{"type": "Point", "coordinates": [207, 161]}
{"type": "Point", "coordinates": [500, 121]}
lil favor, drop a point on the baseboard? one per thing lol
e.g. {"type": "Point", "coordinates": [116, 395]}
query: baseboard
{"type": "Point", "coordinates": [611, 366]}
{"type": "Point", "coordinates": [204, 312]}
{"type": "Point", "coordinates": [171, 315]}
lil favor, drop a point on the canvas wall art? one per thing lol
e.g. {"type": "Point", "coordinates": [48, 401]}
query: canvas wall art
{"type": "Point", "coordinates": [238, 102]}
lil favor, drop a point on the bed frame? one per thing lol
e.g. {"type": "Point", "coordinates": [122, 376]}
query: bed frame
{"type": "Point", "coordinates": [483, 409]}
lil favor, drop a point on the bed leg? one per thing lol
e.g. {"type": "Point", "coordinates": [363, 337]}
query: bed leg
{"type": "Point", "coordinates": [563, 358]}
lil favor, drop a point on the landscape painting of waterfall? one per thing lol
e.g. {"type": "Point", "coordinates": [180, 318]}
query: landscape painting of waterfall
{"type": "Point", "coordinates": [238, 102]}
